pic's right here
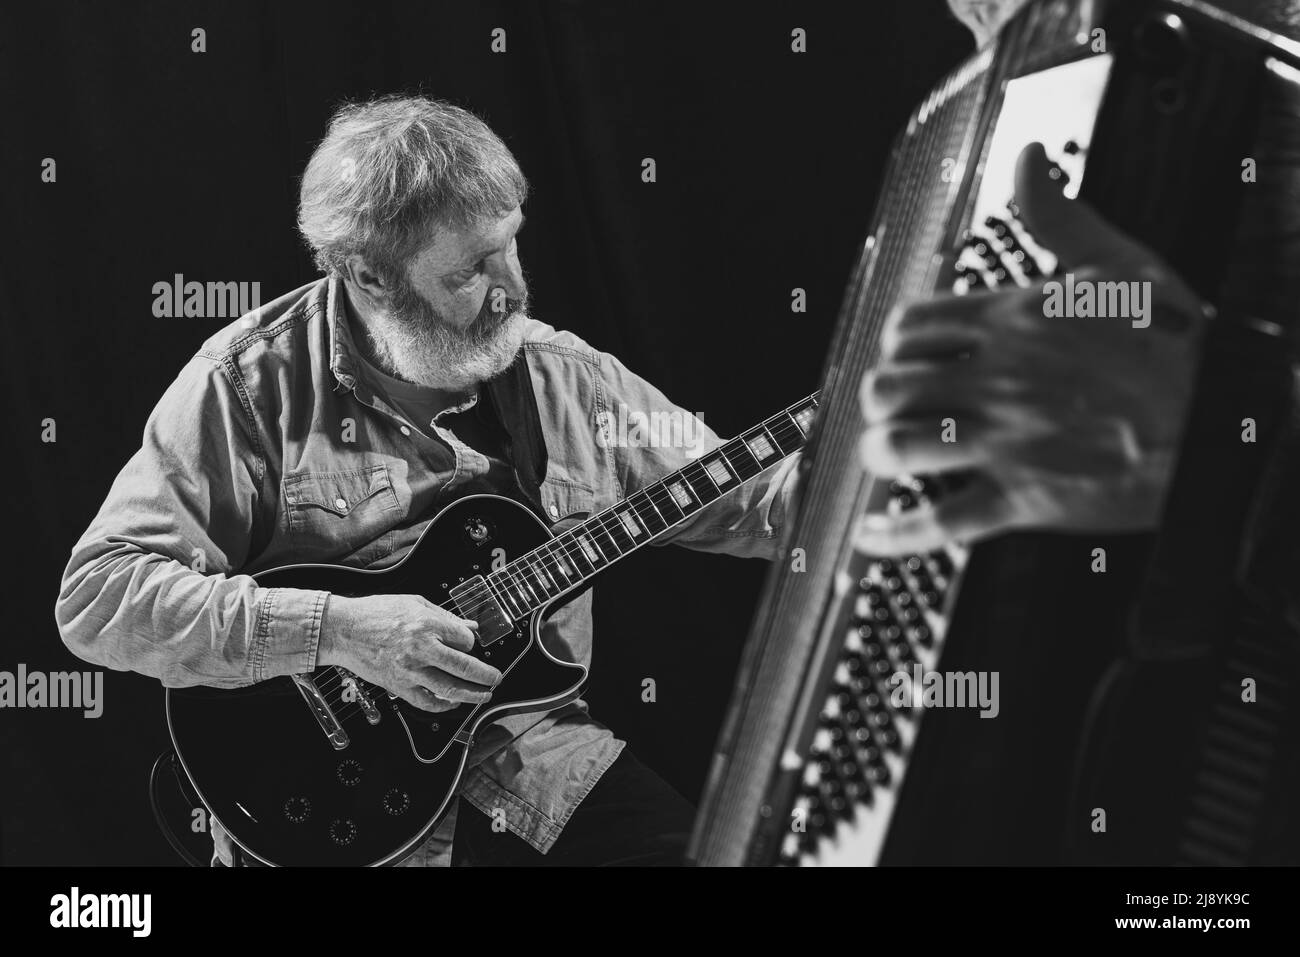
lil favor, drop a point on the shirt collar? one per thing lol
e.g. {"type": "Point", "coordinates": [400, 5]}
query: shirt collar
{"type": "Point", "coordinates": [343, 354]}
{"type": "Point", "coordinates": [346, 363]}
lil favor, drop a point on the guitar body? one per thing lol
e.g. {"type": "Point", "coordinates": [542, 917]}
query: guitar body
{"type": "Point", "coordinates": [265, 765]}
{"type": "Point", "coordinates": [326, 769]}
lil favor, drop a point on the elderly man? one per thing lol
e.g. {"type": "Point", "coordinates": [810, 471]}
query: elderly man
{"type": "Point", "coordinates": [330, 425]}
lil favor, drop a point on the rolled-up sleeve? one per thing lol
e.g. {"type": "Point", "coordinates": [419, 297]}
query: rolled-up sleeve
{"type": "Point", "coordinates": [746, 522]}
{"type": "Point", "coordinates": [150, 586]}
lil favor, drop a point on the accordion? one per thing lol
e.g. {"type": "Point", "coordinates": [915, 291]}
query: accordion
{"type": "Point", "coordinates": [1152, 111]}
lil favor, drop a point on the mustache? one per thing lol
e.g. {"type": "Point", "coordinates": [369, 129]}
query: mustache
{"type": "Point", "coordinates": [490, 316]}
{"type": "Point", "coordinates": [411, 310]}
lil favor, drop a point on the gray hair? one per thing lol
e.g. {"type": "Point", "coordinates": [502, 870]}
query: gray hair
{"type": "Point", "coordinates": [390, 171]}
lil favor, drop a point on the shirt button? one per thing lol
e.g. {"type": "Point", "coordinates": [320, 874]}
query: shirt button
{"type": "Point", "coordinates": [341, 504]}
{"type": "Point", "coordinates": [555, 510]}
{"type": "Point", "coordinates": [405, 430]}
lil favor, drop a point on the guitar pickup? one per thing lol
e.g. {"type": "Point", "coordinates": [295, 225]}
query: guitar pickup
{"type": "Point", "coordinates": [480, 604]}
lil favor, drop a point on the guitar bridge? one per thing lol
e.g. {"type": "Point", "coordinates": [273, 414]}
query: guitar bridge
{"type": "Point", "coordinates": [352, 686]}
{"type": "Point", "coordinates": [476, 601]}
{"type": "Point", "coordinates": [329, 722]}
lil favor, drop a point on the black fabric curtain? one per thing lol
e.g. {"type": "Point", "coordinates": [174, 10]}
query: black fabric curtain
{"type": "Point", "coordinates": [172, 161]}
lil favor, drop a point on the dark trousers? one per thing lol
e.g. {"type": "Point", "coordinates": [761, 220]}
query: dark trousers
{"type": "Point", "coordinates": [631, 818]}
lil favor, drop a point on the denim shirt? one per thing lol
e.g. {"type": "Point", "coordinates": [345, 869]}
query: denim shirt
{"type": "Point", "coordinates": [272, 447]}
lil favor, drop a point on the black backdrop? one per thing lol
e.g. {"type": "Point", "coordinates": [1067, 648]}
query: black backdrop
{"type": "Point", "coordinates": [170, 161]}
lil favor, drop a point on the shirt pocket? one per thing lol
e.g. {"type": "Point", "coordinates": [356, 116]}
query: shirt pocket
{"type": "Point", "coordinates": [339, 513]}
{"type": "Point", "coordinates": [565, 503]}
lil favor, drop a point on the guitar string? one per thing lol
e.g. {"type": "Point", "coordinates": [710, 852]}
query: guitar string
{"type": "Point", "coordinates": [482, 596]}
{"type": "Point", "coordinates": [787, 428]}
{"type": "Point", "coordinates": [606, 520]}
{"type": "Point", "coordinates": [545, 557]}
{"type": "Point", "coordinates": [562, 559]}
{"type": "Point", "coordinates": [609, 519]}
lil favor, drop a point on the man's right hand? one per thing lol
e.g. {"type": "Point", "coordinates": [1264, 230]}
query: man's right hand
{"type": "Point", "coordinates": [409, 646]}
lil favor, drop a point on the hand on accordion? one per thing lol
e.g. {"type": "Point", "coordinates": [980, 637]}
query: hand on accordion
{"type": "Point", "coordinates": [1061, 422]}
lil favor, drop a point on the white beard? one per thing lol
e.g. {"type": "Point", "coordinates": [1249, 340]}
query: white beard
{"type": "Point", "coordinates": [415, 344]}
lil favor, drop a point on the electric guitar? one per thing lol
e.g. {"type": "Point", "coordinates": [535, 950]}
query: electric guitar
{"type": "Point", "coordinates": [327, 769]}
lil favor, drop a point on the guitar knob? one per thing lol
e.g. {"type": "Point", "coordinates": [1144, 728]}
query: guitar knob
{"type": "Point", "coordinates": [349, 772]}
{"type": "Point", "coordinates": [343, 831]}
{"type": "Point", "coordinates": [396, 801]}
{"type": "Point", "coordinates": [297, 809]}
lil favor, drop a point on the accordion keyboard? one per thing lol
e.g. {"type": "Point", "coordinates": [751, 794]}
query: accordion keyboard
{"type": "Point", "coordinates": [867, 726]}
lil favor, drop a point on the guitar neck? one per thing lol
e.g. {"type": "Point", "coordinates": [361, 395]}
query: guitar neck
{"type": "Point", "coordinates": [570, 559]}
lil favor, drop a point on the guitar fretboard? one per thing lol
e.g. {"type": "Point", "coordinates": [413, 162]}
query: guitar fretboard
{"type": "Point", "coordinates": [568, 560]}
